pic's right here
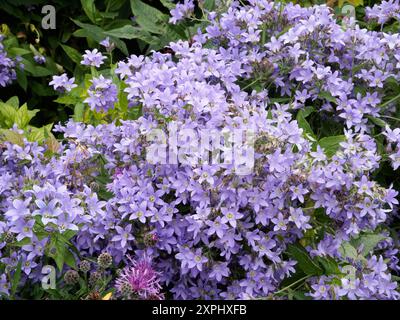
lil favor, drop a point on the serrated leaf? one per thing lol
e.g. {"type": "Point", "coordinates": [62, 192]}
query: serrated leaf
{"type": "Point", "coordinates": [11, 136]}
{"type": "Point", "coordinates": [7, 116]}
{"type": "Point", "coordinates": [347, 250]}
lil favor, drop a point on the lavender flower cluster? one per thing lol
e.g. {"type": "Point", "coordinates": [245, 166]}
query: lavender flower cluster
{"type": "Point", "coordinates": [7, 66]}
{"type": "Point", "coordinates": [304, 54]}
{"type": "Point", "coordinates": [210, 232]}
{"type": "Point", "coordinates": [384, 11]}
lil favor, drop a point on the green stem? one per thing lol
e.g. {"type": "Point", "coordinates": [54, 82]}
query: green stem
{"type": "Point", "coordinates": [291, 285]}
{"type": "Point", "coordinates": [392, 118]}
{"type": "Point", "coordinates": [390, 101]}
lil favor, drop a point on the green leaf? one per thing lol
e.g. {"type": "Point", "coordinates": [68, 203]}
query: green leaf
{"type": "Point", "coordinates": [14, 102]}
{"type": "Point", "coordinates": [168, 4]}
{"type": "Point", "coordinates": [79, 111]}
{"type": "Point", "coordinates": [209, 5]}
{"type": "Point", "coordinates": [16, 278]}
{"type": "Point", "coordinates": [90, 9]}
{"type": "Point", "coordinates": [69, 259]}
{"type": "Point", "coordinates": [329, 265]}
{"type": "Point", "coordinates": [369, 241]}
{"type": "Point", "coordinates": [328, 96]}
{"type": "Point", "coordinates": [22, 79]}
{"type": "Point", "coordinates": [125, 32]}
{"type": "Point", "coordinates": [302, 122]}
{"type": "Point", "coordinates": [24, 116]}
{"type": "Point", "coordinates": [331, 144]}
{"type": "Point", "coordinates": [377, 121]}
{"type": "Point", "coordinates": [15, 51]}
{"type": "Point", "coordinates": [114, 5]}
{"type": "Point", "coordinates": [148, 17]}
{"type": "Point", "coordinates": [304, 261]}
{"type": "Point", "coordinates": [72, 53]}
{"type": "Point", "coordinates": [11, 136]}
{"type": "Point", "coordinates": [8, 115]}
{"type": "Point", "coordinates": [97, 34]}
{"type": "Point", "coordinates": [348, 251]}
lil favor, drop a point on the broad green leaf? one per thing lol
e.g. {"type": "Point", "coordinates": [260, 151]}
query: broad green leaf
{"type": "Point", "coordinates": [16, 278]}
{"type": "Point", "coordinates": [114, 5]}
{"type": "Point", "coordinates": [368, 241]}
{"type": "Point", "coordinates": [72, 53]}
{"type": "Point", "coordinates": [208, 5]}
{"type": "Point", "coordinates": [15, 51]}
{"type": "Point", "coordinates": [303, 123]}
{"type": "Point", "coordinates": [90, 9]}
{"type": "Point", "coordinates": [79, 111]}
{"type": "Point", "coordinates": [347, 250]}
{"type": "Point", "coordinates": [22, 79]}
{"type": "Point", "coordinates": [168, 4]}
{"type": "Point", "coordinates": [355, 3]}
{"type": "Point", "coordinates": [148, 17]}
{"type": "Point", "coordinates": [24, 116]}
{"type": "Point", "coordinates": [97, 34]}
{"type": "Point", "coordinates": [377, 121]}
{"type": "Point", "coordinates": [7, 115]}
{"type": "Point", "coordinates": [331, 144]}
{"type": "Point", "coordinates": [329, 265]}
{"type": "Point", "coordinates": [14, 102]}
{"type": "Point", "coordinates": [328, 96]}
{"type": "Point", "coordinates": [125, 32]}
{"type": "Point", "coordinates": [11, 136]}
{"type": "Point", "coordinates": [304, 261]}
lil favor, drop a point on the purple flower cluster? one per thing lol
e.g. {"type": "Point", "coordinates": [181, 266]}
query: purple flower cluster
{"type": "Point", "coordinates": [181, 11]}
{"type": "Point", "coordinates": [7, 66]}
{"type": "Point", "coordinates": [393, 146]}
{"type": "Point", "coordinates": [305, 54]}
{"type": "Point", "coordinates": [364, 279]}
{"type": "Point", "coordinates": [212, 233]}
{"type": "Point", "coordinates": [384, 11]}
{"type": "Point", "coordinates": [103, 94]}
{"type": "Point", "coordinates": [63, 83]}
{"type": "Point", "coordinates": [93, 58]}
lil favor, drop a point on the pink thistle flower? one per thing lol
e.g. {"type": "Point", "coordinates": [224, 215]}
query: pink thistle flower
{"type": "Point", "coordinates": [141, 278]}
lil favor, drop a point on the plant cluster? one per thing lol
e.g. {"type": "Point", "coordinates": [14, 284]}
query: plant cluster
{"type": "Point", "coordinates": [317, 100]}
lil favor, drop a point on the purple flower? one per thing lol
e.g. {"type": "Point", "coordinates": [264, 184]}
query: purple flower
{"type": "Point", "coordinates": [103, 94]}
{"type": "Point", "coordinates": [63, 83]}
{"type": "Point", "coordinates": [124, 235]}
{"type": "Point", "coordinates": [40, 59]}
{"type": "Point", "coordinates": [93, 58]}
